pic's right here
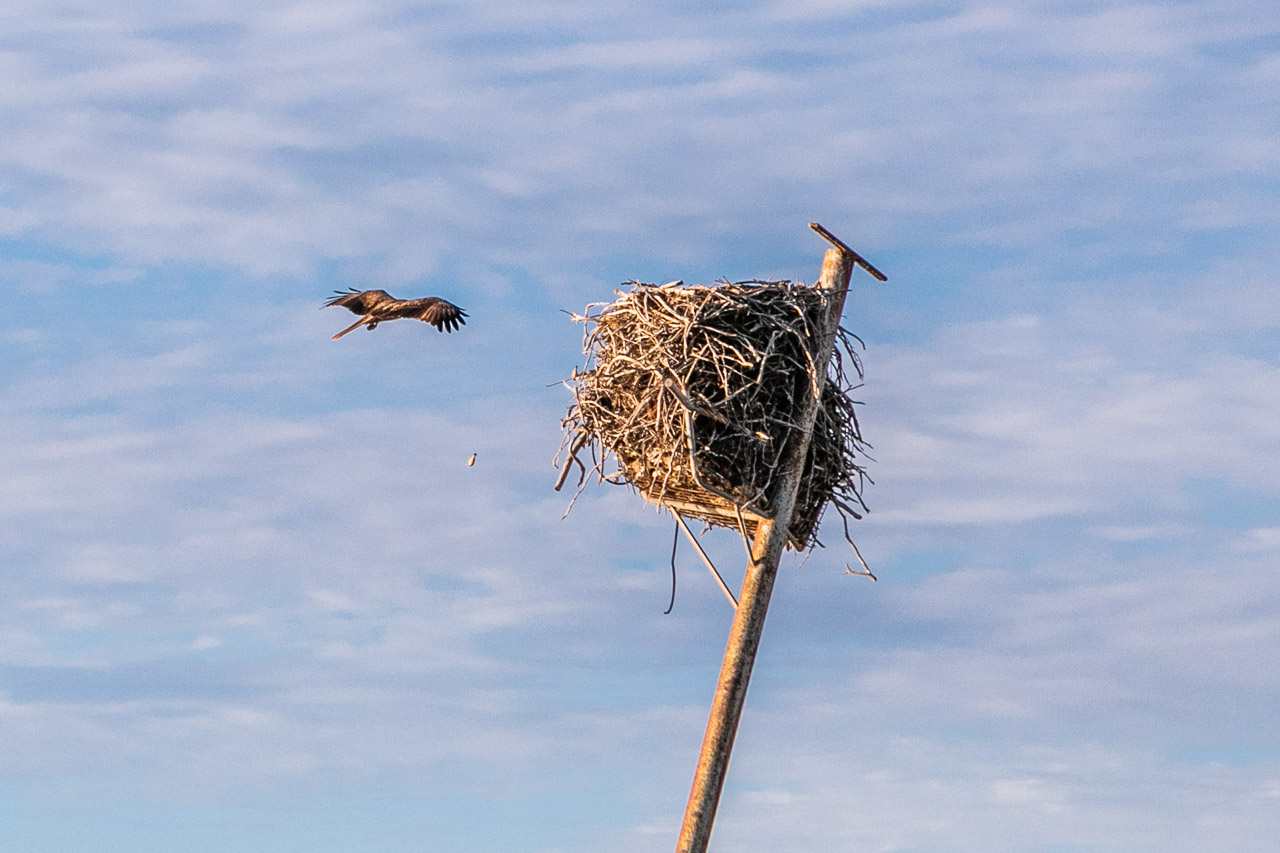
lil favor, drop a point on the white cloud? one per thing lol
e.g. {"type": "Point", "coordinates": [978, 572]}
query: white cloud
{"type": "Point", "coordinates": [1034, 420]}
{"type": "Point", "coordinates": [284, 136]}
{"type": "Point", "coordinates": [898, 795]}
{"type": "Point", "coordinates": [1140, 533]}
{"type": "Point", "coordinates": [1259, 539]}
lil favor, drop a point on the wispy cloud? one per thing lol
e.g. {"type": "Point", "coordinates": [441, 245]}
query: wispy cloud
{"type": "Point", "coordinates": [241, 557]}
{"type": "Point", "coordinates": [345, 132]}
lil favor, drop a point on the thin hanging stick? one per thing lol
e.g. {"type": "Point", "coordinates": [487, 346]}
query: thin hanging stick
{"type": "Point", "coordinates": [703, 554]}
{"type": "Point", "coordinates": [675, 540]}
{"type": "Point", "coordinates": [570, 459]}
{"type": "Point", "coordinates": [866, 570]}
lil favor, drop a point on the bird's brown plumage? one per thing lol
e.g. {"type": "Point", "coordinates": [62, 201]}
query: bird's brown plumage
{"type": "Point", "coordinates": [375, 306]}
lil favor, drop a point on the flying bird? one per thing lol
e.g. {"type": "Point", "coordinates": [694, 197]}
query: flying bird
{"type": "Point", "coordinates": [375, 306]}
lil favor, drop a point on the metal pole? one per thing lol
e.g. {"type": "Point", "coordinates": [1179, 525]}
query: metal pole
{"type": "Point", "coordinates": [757, 586]}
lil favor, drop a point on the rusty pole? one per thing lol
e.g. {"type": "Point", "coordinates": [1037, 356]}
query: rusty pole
{"type": "Point", "coordinates": [757, 586]}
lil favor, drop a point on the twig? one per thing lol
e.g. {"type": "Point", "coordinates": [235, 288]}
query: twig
{"type": "Point", "coordinates": [675, 540]}
{"type": "Point", "coordinates": [703, 554]}
{"type": "Point", "coordinates": [866, 570]}
{"type": "Point", "coordinates": [570, 458]}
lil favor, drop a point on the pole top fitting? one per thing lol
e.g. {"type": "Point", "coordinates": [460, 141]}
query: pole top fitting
{"type": "Point", "coordinates": [857, 259]}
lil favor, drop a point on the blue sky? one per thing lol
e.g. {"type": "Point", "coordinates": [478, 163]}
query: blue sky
{"type": "Point", "coordinates": [252, 598]}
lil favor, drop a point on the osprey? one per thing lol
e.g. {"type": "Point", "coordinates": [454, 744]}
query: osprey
{"type": "Point", "coordinates": [378, 305]}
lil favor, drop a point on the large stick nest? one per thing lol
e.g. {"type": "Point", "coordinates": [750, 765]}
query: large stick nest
{"type": "Point", "coordinates": [692, 391]}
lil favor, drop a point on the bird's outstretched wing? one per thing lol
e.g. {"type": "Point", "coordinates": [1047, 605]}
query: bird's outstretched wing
{"type": "Point", "coordinates": [378, 306]}
{"type": "Point", "coordinates": [359, 301]}
{"type": "Point", "coordinates": [445, 316]}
